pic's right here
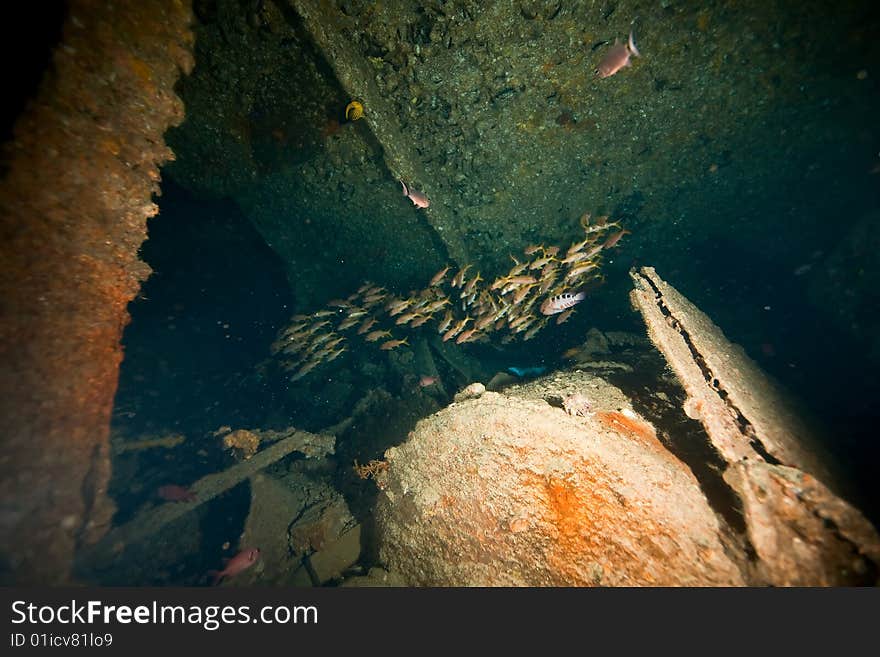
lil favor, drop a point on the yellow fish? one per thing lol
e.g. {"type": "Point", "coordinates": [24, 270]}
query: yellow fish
{"type": "Point", "coordinates": [355, 109]}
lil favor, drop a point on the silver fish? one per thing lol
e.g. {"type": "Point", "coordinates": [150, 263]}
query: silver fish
{"type": "Point", "coordinates": [561, 302]}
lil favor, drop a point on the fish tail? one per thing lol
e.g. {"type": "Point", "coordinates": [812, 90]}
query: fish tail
{"type": "Point", "coordinates": [405, 190]}
{"type": "Point", "coordinates": [632, 45]}
{"type": "Point", "coordinates": [580, 296]}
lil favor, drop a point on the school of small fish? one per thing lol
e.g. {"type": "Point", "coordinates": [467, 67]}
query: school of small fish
{"type": "Point", "coordinates": [462, 306]}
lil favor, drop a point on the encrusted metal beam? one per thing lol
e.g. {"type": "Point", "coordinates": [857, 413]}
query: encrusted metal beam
{"type": "Point", "coordinates": [355, 76]}
{"type": "Point", "coordinates": [802, 533]}
{"type": "Point", "coordinates": [79, 177]}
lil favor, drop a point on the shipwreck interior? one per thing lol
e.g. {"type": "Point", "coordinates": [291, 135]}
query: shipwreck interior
{"type": "Point", "coordinates": [291, 275]}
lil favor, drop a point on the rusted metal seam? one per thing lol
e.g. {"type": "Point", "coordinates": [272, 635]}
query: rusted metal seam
{"type": "Point", "coordinates": [746, 427]}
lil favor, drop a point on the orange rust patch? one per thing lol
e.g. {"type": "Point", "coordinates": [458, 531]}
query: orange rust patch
{"type": "Point", "coordinates": [141, 69]}
{"type": "Point", "coordinates": [566, 508]}
{"type": "Point", "coordinates": [446, 501]}
{"type": "Point", "coordinates": [630, 425]}
{"type": "Point", "coordinates": [640, 430]}
{"type": "Point", "coordinates": [571, 506]}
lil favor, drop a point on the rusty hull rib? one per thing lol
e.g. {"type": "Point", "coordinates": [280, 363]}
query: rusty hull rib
{"type": "Point", "coordinates": [77, 190]}
{"type": "Point", "coordinates": [802, 532]}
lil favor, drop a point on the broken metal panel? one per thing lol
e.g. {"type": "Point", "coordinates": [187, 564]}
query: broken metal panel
{"type": "Point", "coordinates": [801, 532]}
{"type": "Point", "coordinates": [739, 406]}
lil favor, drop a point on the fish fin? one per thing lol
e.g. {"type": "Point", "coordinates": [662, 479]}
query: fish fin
{"type": "Point", "coordinates": [216, 576]}
{"type": "Point", "coordinates": [632, 45]}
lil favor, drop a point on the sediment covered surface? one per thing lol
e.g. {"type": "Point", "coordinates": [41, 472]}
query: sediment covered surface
{"type": "Point", "coordinates": [506, 489]}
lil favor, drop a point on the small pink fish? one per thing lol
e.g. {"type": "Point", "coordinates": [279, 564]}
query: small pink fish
{"type": "Point", "coordinates": [175, 493]}
{"type": "Point", "coordinates": [419, 200]}
{"type": "Point", "coordinates": [241, 561]}
{"type": "Point", "coordinates": [426, 381]}
{"type": "Point", "coordinates": [617, 57]}
{"type": "Point", "coordinates": [614, 239]}
{"type": "Point", "coordinates": [561, 302]}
